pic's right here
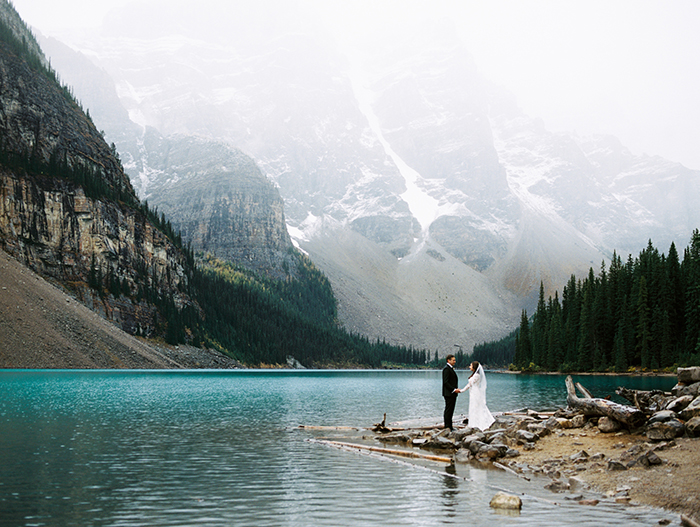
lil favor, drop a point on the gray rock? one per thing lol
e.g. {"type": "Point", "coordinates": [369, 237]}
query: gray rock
{"type": "Point", "coordinates": [524, 436]}
{"type": "Point", "coordinates": [692, 410]}
{"type": "Point", "coordinates": [539, 429]}
{"type": "Point", "coordinates": [688, 375]}
{"type": "Point", "coordinates": [463, 433]}
{"type": "Point", "coordinates": [440, 443]}
{"type": "Point", "coordinates": [502, 500]}
{"type": "Point", "coordinates": [653, 459]}
{"type": "Point", "coordinates": [679, 403]}
{"type": "Point", "coordinates": [500, 438]}
{"type": "Point", "coordinates": [579, 457]}
{"type": "Point", "coordinates": [473, 437]}
{"type": "Point", "coordinates": [553, 423]}
{"type": "Point", "coordinates": [475, 446]}
{"type": "Point", "coordinates": [558, 486]}
{"type": "Point", "coordinates": [662, 416]}
{"type": "Point", "coordinates": [616, 465]}
{"type": "Point", "coordinates": [578, 421]}
{"type": "Point", "coordinates": [663, 431]}
{"type": "Point", "coordinates": [491, 451]}
{"type": "Point", "coordinates": [608, 425]}
{"type": "Point", "coordinates": [693, 427]}
{"type": "Point", "coordinates": [680, 390]}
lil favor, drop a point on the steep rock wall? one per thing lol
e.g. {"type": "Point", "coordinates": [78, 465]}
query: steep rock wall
{"type": "Point", "coordinates": [49, 223]}
{"type": "Point", "coordinates": [58, 232]}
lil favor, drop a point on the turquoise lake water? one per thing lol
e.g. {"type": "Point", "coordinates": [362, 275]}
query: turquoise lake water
{"type": "Point", "coordinates": [215, 448]}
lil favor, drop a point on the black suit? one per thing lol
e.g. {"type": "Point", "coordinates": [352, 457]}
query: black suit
{"type": "Point", "coordinates": [449, 385]}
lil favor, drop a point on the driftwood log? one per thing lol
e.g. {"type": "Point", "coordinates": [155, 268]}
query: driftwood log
{"type": "Point", "coordinates": [647, 401]}
{"type": "Point", "coordinates": [629, 416]}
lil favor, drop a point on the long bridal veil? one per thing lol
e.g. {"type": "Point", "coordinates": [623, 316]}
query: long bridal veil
{"type": "Point", "coordinates": [479, 414]}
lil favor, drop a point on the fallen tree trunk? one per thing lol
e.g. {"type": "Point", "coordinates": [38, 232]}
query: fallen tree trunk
{"type": "Point", "coordinates": [627, 415]}
{"type": "Point", "coordinates": [646, 401]}
{"type": "Point", "coordinates": [393, 452]}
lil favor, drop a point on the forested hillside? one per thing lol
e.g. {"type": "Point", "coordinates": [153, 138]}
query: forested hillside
{"type": "Point", "coordinates": [643, 314]}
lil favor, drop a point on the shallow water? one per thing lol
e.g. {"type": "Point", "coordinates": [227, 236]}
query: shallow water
{"type": "Point", "coordinates": [225, 448]}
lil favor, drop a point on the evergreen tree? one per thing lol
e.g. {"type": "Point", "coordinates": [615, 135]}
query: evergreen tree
{"type": "Point", "coordinates": [538, 337]}
{"type": "Point", "coordinates": [643, 325]}
{"type": "Point", "coordinates": [523, 347]}
{"type": "Point", "coordinates": [555, 345]}
{"type": "Point", "coordinates": [586, 346]}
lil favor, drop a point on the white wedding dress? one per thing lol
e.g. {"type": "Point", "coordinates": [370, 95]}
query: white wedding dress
{"type": "Point", "coordinates": [479, 415]}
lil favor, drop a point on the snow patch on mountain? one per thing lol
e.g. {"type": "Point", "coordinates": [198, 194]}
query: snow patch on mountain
{"type": "Point", "coordinates": [424, 207]}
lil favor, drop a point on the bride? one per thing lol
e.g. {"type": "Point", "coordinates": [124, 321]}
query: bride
{"type": "Point", "coordinates": [479, 415]}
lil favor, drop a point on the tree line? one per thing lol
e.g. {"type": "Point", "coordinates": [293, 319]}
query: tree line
{"type": "Point", "coordinates": [643, 314]}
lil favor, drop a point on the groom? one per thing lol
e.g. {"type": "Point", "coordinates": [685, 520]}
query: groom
{"type": "Point", "coordinates": [449, 389]}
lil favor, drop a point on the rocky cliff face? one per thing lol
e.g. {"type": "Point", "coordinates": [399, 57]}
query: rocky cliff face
{"type": "Point", "coordinates": [220, 202]}
{"type": "Point", "coordinates": [213, 193]}
{"type": "Point", "coordinates": [51, 224]}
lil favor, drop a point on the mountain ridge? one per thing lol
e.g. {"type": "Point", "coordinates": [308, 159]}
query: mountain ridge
{"type": "Point", "coordinates": [516, 203]}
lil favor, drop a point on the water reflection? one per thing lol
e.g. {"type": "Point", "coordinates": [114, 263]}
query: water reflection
{"type": "Point", "coordinates": [450, 492]}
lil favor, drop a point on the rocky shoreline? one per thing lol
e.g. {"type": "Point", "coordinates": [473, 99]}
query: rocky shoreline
{"type": "Point", "coordinates": [656, 463]}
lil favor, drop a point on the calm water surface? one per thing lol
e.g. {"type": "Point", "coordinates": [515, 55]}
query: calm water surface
{"type": "Point", "coordinates": [154, 448]}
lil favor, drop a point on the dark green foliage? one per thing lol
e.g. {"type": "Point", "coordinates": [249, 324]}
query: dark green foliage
{"type": "Point", "coordinates": [264, 321]}
{"type": "Point", "coordinates": [643, 314]}
{"type": "Point", "coordinates": [496, 354]}
{"type": "Point", "coordinates": [21, 48]}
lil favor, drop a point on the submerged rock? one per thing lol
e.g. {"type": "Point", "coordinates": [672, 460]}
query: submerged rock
{"type": "Point", "coordinates": [501, 500]}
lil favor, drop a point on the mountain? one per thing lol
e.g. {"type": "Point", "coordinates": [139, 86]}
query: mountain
{"type": "Point", "coordinates": [431, 201]}
{"type": "Point", "coordinates": [67, 209]}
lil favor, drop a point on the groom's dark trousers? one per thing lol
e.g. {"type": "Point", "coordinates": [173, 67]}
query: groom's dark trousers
{"type": "Point", "coordinates": [449, 385]}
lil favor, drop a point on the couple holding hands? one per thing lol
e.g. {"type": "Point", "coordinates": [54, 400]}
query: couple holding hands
{"type": "Point", "coordinates": [479, 415]}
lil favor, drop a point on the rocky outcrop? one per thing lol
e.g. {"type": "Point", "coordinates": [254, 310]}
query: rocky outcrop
{"type": "Point", "coordinates": [54, 229]}
{"type": "Point", "coordinates": [221, 203]}
{"type": "Point", "coordinates": [50, 223]}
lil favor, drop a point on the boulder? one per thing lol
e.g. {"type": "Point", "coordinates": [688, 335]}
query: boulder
{"type": "Point", "coordinates": [692, 410]}
{"type": "Point", "coordinates": [396, 437]}
{"type": "Point", "coordinates": [688, 375]}
{"type": "Point", "coordinates": [499, 438]}
{"type": "Point", "coordinates": [693, 427]}
{"type": "Point", "coordinates": [679, 403]}
{"type": "Point", "coordinates": [578, 421]}
{"type": "Point", "coordinates": [502, 500]}
{"type": "Point", "coordinates": [553, 423]}
{"type": "Point", "coordinates": [665, 430]}
{"type": "Point", "coordinates": [524, 436]}
{"type": "Point", "coordinates": [475, 446]}
{"type": "Point", "coordinates": [472, 437]}
{"type": "Point", "coordinates": [463, 433]}
{"type": "Point", "coordinates": [539, 429]}
{"type": "Point", "coordinates": [492, 451]}
{"type": "Point", "coordinates": [662, 417]}
{"type": "Point", "coordinates": [441, 443]}
{"type": "Point", "coordinates": [686, 389]}
{"type": "Point", "coordinates": [607, 425]}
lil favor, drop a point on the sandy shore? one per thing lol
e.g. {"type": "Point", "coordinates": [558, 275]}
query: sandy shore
{"type": "Point", "coordinates": [673, 485]}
